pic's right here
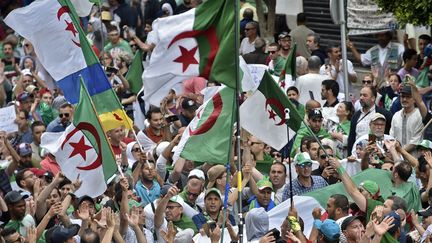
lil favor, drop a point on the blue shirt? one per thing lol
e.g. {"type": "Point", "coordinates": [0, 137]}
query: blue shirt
{"type": "Point", "coordinates": [147, 195]}
{"type": "Point", "coordinates": [298, 189]}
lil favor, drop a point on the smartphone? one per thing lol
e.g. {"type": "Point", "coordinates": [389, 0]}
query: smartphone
{"type": "Point", "coordinates": [212, 225]}
{"type": "Point", "coordinates": [372, 138]}
{"type": "Point", "coordinates": [172, 118]}
{"type": "Point", "coordinates": [311, 95]}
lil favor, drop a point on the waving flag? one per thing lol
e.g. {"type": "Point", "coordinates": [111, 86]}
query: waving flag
{"type": "Point", "coordinates": [199, 42]}
{"type": "Point", "coordinates": [288, 74]}
{"type": "Point", "coordinates": [83, 149]}
{"type": "Point", "coordinates": [207, 137]}
{"type": "Point", "coordinates": [61, 46]}
{"type": "Point", "coordinates": [268, 113]}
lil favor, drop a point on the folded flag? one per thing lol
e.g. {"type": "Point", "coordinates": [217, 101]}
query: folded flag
{"type": "Point", "coordinates": [83, 149]}
{"type": "Point", "coordinates": [135, 72]}
{"type": "Point", "coordinates": [288, 74]}
{"type": "Point", "coordinates": [268, 113]}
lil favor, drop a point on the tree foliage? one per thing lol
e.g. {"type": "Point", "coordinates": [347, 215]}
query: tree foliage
{"type": "Point", "coordinates": [417, 12]}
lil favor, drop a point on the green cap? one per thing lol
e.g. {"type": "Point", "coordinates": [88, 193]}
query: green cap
{"type": "Point", "coordinates": [425, 144]}
{"type": "Point", "coordinates": [372, 187]}
{"type": "Point", "coordinates": [134, 203]}
{"type": "Point", "coordinates": [264, 183]}
{"type": "Point", "coordinates": [213, 190]}
{"type": "Point", "coordinates": [302, 158]}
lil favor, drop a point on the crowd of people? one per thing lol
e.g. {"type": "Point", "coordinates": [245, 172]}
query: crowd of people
{"type": "Point", "coordinates": [159, 198]}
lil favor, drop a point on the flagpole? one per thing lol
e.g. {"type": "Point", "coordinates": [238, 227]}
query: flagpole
{"type": "Point", "coordinates": [290, 172]}
{"type": "Point", "coordinates": [238, 94]}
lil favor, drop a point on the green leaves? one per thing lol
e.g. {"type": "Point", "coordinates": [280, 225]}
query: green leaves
{"type": "Point", "coordinates": [417, 12]}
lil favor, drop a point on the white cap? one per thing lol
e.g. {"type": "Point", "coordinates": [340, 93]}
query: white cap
{"type": "Point", "coordinates": [197, 173]}
{"type": "Point", "coordinates": [161, 147]}
{"type": "Point", "coordinates": [178, 199]}
{"type": "Point", "coordinates": [26, 72]}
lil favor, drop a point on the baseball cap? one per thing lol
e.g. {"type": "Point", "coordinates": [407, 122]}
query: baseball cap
{"type": "Point", "coordinates": [425, 144]}
{"type": "Point", "coordinates": [26, 72]}
{"type": "Point", "coordinates": [24, 149]}
{"type": "Point", "coordinates": [197, 173]}
{"type": "Point", "coordinates": [31, 88]}
{"type": "Point", "coordinates": [161, 147]}
{"type": "Point", "coordinates": [62, 234]}
{"type": "Point", "coordinates": [23, 96]}
{"type": "Point", "coordinates": [213, 173]}
{"type": "Point", "coordinates": [215, 191]}
{"type": "Point", "coordinates": [329, 228]}
{"type": "Point", "coordinates": [134, 203]}
{"type": "Point", "coordinates": [188, 104]}
{"type": "Point", "coordinates": [347, 221]}
{"type": "Point", "coordinates": [372, 187]}
{"type": "Point", "coordinates": [14, 197]}
{"type": "Point", "coordinates": [315, 113]}
{"type": "Point", "coordinates": [406, 89]}
{"type": "Point", "coordinates": [106, 15]}
{"type": "Point", "coordinates": [283, 35]}
{"type": "Point", "coordinates": [396, 222]}
{"type": "Point", "coordinates": [85, 198]}
{"type": "Point", "coordinates": [425, 213]}
{"type": "Point", "coordinates": [264, 183]}
{"type": "Point", "coordinates": [378, 116]}
{"type": "Point", "coordinates": [302, 158]}
{"type": "Point", "coordinates": [177, 199]}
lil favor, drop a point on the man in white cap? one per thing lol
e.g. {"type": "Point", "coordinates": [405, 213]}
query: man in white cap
{"type": "Point", "coordinates": [193, 188]}
{"type": "Point", "coordinates": [170, 208]}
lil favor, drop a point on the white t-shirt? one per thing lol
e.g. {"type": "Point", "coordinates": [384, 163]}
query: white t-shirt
{"type": "Point", "coordinates": [340, 75]}
{"type": "Point", "coordinates": [246, 46]}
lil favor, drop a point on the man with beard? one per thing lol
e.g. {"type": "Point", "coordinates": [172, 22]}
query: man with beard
{"type": "Point", "coordinates": [9, 60]}
{"type": "Point", "coordinates": [284, 40]}
{"type": "Point", "coordinates": [406, 125]}
{"type": "Point", "coordinates": [329, 93]}
{"type": "Point", "coordinates": [64, 119]}
{"type": "Point", "coordinates": [386, 55]}
{"type": "Point", "coordinates": [362, 118]}
{"type": "Point", "coordinates": [28, 181]}
{"type": "Point", "coordinates": [148, 187]}
{"type": "Point", "coordinates": [337, 208]}
{"type": "Point", "coordinates": [334, 69]}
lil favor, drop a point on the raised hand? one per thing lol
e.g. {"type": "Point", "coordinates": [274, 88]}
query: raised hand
{"type": "Point", "coordinates": [133, 217]}
{"type": "Point", "coordinates": [267, 238]}
{"type": "Point", "coordinates": [84, 213]}
{"type": "Point", "coordinates": [102, 221]}
{"type": "Point", "coordinates": [124, 183]}
{"type": "Point", "coordinates": [76, 184]}
{"type": "Point", "coordinates": [110, 218]}
{"type": "Point", "coordinates": [169, 235]}
{"type": "Point", "coordinates": [384, 226]}
{"type": "Point", "coordinates": [31, 235]}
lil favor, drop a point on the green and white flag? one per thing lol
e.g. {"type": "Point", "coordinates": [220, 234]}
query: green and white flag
{"type": "Point", "coordinates": [83, 149]}
{"type": "Point", "coordinates": [207, 138]}
{"type": "Point", "coordinates": [268, 113]}
{"type": "Point", "coordinates": [199, 42]}
{"type": "Point", "coordinates": [288, 74]}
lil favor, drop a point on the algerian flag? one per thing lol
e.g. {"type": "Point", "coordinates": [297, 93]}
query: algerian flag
{"type": "Point", "coordinates": [288, 74]}
{"type": "Point", "coordinates": [268, 113]}
{"type": "Point", "coordinates": [207, 138]}
{"type": "Point", "coordinates": [199, 42]}
{"type": "Point", "coordinates": [53, 27]}
{"type": "Point", "coordinates": [134, 73]}
{"type": "Point", "coordinates": [83, 149]}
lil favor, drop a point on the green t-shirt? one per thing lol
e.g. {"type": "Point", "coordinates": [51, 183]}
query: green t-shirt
{"type": "Point", "coordinates": [264, 165]}
{"type": "Point", "coordinates": [279, 65]}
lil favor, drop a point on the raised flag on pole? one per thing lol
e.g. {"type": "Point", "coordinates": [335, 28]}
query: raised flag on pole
{"type": "Point", "coordinates": [198, 42]}
{"type": "Point", "coordinates": [62, 48]}
{"type": "Point", "coordinates": [268, 113]}
{"type": "Point", "coordinates": [288, 74]}
{"type": "Point", "coordinates": [83, 149]}
{"type": "Point", "coordinates": [207, 138]}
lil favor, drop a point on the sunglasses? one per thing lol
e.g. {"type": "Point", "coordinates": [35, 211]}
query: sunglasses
{"type": "Point", "coordinates": [305, 165]}
{"type": "Point", "coordinates": [247, 29]}
{"type": "Point", "coordinates": [323, 156]}
{"type": "Point", "coordinates": [66, 115]}
{"type": "Point", "coordinates": [367, 81]}
{"type": "Point", "coordinates": [136, 149]}
{"type": "Point", "coordinates": [192, 194]}
{"type": "Point", "coordinates": [272, 52]}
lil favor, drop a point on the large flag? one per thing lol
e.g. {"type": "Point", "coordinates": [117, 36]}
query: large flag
{"type": "Point", "coordinates": [62, 47]}
{"type": "Point", "coordinates": [199, 42]}
{"type": "Point", "coordinates": [268, 113]}
{"type": "Point", "coordinates": [83, 149]}
{"type": "Point", "coordinates": [288, 74]}
{"type": "Point", "coordinates": [207, 138]}
{"type": "Point", "coordinates": [134, 73]}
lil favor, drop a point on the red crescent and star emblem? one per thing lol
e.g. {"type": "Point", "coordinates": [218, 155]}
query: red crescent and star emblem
{"type": "Point", "coordinates": [69, 25]}
{"type": "Point", "coordinates": [81, 148]}
{"type": "Point", "coordinates": [282, 82]}
{"type": "Point", "coordinates": [187, 58]}
{"type": "Point", "coordinates": [274, 103]}
{"type": "Point", "coordinates": [211, 120]}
